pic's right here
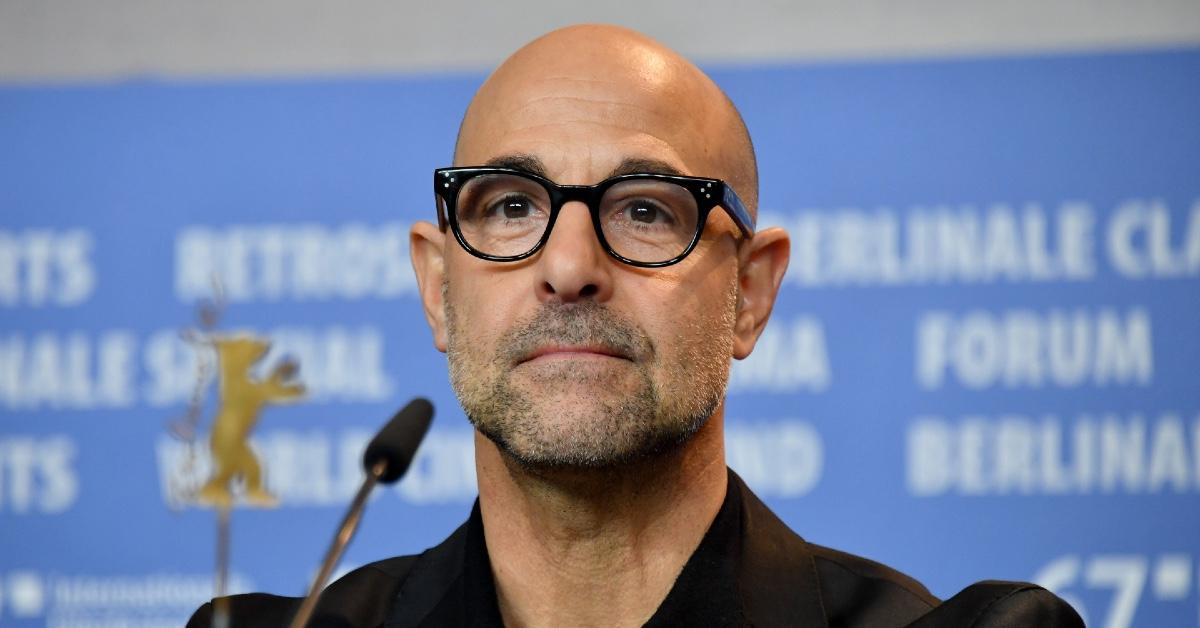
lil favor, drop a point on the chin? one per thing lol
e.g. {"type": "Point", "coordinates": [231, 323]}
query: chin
{"type": "Point", "coordinates": [587, 440]}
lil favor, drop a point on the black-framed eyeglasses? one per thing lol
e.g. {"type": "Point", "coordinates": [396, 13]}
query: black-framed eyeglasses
{"type": "Point", "coordinates": [647, 220]}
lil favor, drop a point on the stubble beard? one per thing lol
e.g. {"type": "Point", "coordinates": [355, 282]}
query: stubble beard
{"type": "Point", "coordinates": [615, 415]}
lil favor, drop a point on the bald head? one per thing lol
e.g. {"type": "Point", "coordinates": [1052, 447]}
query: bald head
{"type": "Point", "coordinates": [583, 98]}
{"type": "Point", "coordinates": [573, 356]}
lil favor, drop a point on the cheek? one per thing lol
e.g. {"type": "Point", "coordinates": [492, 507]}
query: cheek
{"type": "Point", "coordinates": [694, 318]}
{"type": "Point", "coordinates": [476, 308]}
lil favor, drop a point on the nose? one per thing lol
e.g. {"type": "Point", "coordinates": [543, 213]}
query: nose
{"type": "Point", "coordinates": [572, 265]}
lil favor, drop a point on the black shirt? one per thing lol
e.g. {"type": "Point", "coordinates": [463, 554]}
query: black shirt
{"type": "Point", "coordinates": [703, 594]}
{"type": "Point", "coordinates": [749, 570]}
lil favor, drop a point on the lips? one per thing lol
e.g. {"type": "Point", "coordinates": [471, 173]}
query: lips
{"type": "Point", "coordinates": [567, 351]}
{"type": "Point", "coordinates": [574, 333]}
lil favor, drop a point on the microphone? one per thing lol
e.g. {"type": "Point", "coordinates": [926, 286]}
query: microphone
{"type": "Point", "coordinates": [386, 460]}
{"type": "Point", "coordinates": [396, 444]}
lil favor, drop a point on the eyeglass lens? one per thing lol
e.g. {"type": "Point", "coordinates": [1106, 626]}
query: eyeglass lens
{"type": "Point", "coordinates": [644, 220]}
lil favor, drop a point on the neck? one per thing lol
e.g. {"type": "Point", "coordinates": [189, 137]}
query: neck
{"type": "Point", "coordinates": [596, 547]}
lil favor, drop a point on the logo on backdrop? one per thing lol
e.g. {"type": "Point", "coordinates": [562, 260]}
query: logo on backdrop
{"type": "Point", "coordinates": [241, 398]}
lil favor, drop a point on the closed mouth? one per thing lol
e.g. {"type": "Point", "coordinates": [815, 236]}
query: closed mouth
{"type": "Point", "coordinates": [573, 351]}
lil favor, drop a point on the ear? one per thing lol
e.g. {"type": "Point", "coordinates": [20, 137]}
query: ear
{"type": "Point", "coordinates": [426, 247]}
{"type": "Point", "coordinates": [763, 261]}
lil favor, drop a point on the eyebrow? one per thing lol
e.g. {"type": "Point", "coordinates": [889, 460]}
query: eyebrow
{"type": "Point", "coordinates": [519, 161]}
{"type": "Point", "coordinates": [525, 162]}
{"type": "Point", "coordinates": [637, 165]}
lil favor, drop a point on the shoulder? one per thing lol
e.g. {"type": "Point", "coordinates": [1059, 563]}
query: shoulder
{"type": "Point", "coordinates": [859, 591]}
{"type": "Point", "coordinates": [791, 579]}
{"type": "Point", "coordinates": [362, 597]}
{"type": "Point", "coordinates": [997, 604]}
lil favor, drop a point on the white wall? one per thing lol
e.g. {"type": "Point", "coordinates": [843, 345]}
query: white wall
{"type": "Point", "coordinates": [62, 40]}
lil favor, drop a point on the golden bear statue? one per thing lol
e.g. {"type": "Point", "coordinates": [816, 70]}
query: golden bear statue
{"type": "Point", "coordinates": [241, 399]}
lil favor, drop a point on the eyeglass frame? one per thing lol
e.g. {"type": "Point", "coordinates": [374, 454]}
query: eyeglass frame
{"type": "Point", "coordinates": [708, 193]}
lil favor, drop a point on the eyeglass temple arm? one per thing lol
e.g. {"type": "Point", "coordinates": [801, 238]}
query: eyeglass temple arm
{"type": "Point", "coordinates": [734, 204]}
{"type": "Point", "coordinates": [443, 211]}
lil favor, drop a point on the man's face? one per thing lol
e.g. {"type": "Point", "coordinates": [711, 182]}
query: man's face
{"type": "Point", "coordinates": [571, 358]}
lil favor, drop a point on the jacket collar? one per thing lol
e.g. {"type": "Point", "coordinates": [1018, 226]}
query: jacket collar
{"type": "Point", "coordinates": [774, 571]}
{"type": "Point", "coordinates": [777, 576]}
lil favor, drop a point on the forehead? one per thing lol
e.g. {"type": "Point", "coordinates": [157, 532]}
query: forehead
{"type": "Point", "coordinates": [582, 119]}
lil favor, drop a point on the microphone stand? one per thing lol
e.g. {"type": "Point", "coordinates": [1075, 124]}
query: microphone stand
{"type": "Point", "coordinates": [386, 459]}
{"type": "Point", "coordinates": [345, 532]}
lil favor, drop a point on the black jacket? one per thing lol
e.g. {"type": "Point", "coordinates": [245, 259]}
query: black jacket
{"type": "Point", "coordinates": [750, 570]}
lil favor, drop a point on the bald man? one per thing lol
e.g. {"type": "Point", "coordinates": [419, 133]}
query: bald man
{"type": "Point", "coordinates": [594, 269]}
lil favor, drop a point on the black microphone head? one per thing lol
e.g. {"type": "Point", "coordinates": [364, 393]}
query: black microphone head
{"type": "Point", "coordinates": [397, 442]}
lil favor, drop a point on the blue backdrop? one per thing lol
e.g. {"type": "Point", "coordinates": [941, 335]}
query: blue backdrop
{"type": "Point", "coordinates": [982, 365]}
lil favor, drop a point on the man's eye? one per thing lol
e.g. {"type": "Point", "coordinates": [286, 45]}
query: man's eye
{"type": "Point", "coordinates": [516, 209]}
{"type": "Point", "coordinates": [512, 208]}
{"type": "Point", "coordinates": [647, 213]}
{"type": "Point", "coordinates": [643, 213]}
